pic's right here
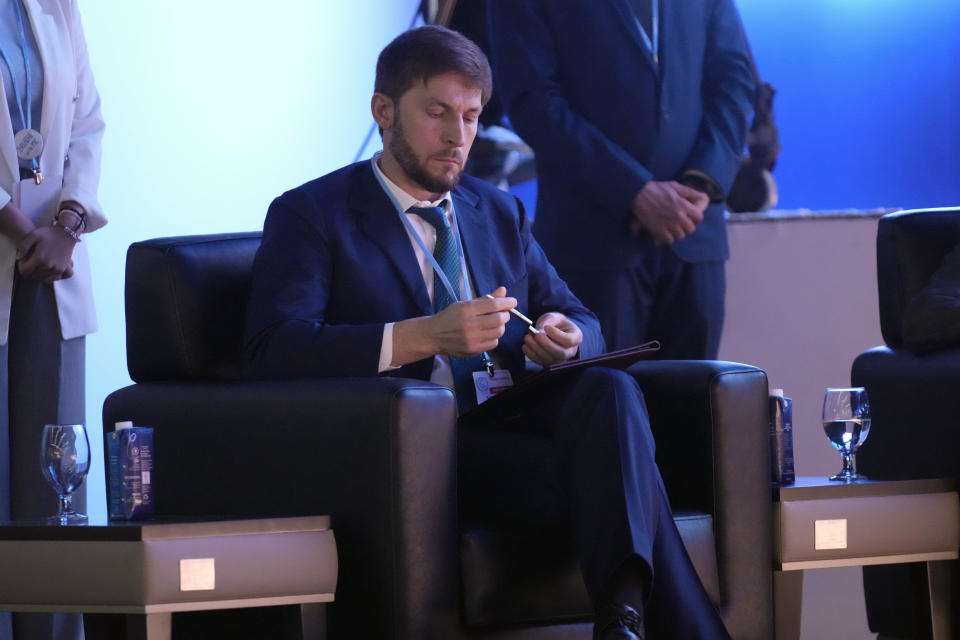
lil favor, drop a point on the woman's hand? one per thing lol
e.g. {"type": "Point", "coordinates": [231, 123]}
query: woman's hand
{"type": "Point", "coordinates": [14, 223]}
{"type": "Point", "coordinates": [46, 254]}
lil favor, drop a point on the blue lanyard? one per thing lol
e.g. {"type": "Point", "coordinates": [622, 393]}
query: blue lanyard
{"type": "Point", "coordinates": [653, 44]}
{"type": "Point", "coordinates": [25, 119]}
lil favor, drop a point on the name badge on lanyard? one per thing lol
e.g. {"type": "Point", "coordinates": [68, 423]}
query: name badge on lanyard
{"type": "Point", "coordinates": [488, 385]}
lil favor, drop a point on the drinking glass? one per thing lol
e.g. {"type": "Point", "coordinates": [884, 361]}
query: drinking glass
{"type": "Point", "coordinates": [65, 457]}
{"type": "Point", "coordinates": [846, 421]}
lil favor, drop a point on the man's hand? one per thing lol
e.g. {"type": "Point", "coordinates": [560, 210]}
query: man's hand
{"type": "Point", "coordinates": [668, 211]}
{"type": "Point", "coordinates": [45, 254]}
{"type": "Point", "coordinates": [558, 341]}
{"type": "Point", "coordinates": [465, 329]}
{"type": "Point", "coordinates": [462, 330]}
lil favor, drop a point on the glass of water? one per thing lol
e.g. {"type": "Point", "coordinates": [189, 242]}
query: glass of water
{"type": "Point", "coordinates": [65, 458]}
{"type": "Point", "coordinates": [846, 421]}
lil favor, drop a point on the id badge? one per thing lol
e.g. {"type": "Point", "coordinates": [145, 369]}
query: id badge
{"type": "Point", "coordinates": [38, 201]}
{"type": "Point", "coordinates": [488, 387]}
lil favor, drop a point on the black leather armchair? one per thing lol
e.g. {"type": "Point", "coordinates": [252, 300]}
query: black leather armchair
{"type": "Point", "coordinates": [379, 456]}
{"type": "Point", "coordinates": [913, 401]}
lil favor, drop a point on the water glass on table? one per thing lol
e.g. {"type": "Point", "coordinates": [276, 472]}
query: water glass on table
{"type": "Point", "coordinates": [846, 421]}
{"type": "Point", "coordinates": [65, 459]}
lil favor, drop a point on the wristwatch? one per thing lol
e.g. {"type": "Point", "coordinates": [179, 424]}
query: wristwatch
{"type": "Point", "coordinates": [702, 182]}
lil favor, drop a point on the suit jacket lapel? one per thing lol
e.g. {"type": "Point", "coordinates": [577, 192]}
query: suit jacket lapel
{"type": "Point", "coordinates": [378, 219]}
{"type": "Point", "coordinates": [627, 21]}
{"type": "Point", "coordinates": [475, 235]}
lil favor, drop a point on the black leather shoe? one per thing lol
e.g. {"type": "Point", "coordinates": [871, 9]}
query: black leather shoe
{"type": "Point", "coordinates": [618, 622]}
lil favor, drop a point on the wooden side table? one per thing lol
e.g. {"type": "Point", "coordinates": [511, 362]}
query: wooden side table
{"type": "Point", "coordinates": [149, 570]}
{"type": "Point", "coordinates": [820, 524]}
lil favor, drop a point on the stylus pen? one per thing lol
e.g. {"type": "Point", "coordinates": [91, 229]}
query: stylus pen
{"type": "Point", "coordinates": [517, 314]}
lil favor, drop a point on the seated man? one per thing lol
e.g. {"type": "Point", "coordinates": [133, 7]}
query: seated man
{"type": "Point", "coordinates": [380, 268]}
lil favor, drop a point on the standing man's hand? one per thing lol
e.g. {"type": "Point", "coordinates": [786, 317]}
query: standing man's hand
{"type": "Point", "coordinates": [668, 211]}
{"type": "Point", "coordinates": [558, 340]}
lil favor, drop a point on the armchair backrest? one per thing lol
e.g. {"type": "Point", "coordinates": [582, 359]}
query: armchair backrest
{"type": "Point", "coordinates": [910, 247]}
{"type": "Point", "coordinates": [186, 301]}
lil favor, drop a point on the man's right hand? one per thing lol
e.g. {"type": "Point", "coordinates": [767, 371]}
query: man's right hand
{"type": "Point", "coordinates": [668, 211]}
{"type": "Point", "coordinates": [462, 330]}
{"type": "Point", "coordinates": [465, 329]}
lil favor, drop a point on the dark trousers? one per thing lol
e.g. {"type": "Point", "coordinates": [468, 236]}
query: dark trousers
{"type": "Point", "coordinates": [582, 457]}
{"type": "Point", "coordinates": [41, 382]}
{"type": "Point", "coordinates": [679, 303]}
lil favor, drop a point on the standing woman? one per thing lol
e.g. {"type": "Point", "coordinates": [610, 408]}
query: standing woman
{"type": "Point", "coordinates": [50, 134]}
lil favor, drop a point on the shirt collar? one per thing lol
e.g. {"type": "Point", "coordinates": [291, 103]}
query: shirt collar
{"type": "Point", "coordinates": [403, 199]}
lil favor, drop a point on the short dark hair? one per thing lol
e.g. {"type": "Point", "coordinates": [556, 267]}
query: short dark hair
{"type": "Point", "coordinates": [420, 54]}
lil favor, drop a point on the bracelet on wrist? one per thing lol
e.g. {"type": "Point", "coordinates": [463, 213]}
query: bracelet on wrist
{"type": "Point", "coordinates": [67, 230]}
{"type": "Point", "coordinates": [81, 223]}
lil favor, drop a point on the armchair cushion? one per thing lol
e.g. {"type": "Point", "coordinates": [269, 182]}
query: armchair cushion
{"type": "Point", "coordinates": [524, 575]}
{"type": "Point", "coordinates": [185, 302]}
{"type": "Point", "coordinates": [910, 247]}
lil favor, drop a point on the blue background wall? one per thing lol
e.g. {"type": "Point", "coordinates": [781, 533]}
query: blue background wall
{"type": "Point", "coordinates": [868, 101]}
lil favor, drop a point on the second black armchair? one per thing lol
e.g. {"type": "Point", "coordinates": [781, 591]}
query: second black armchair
{"type": "Point", "coordinates": [914, 403]}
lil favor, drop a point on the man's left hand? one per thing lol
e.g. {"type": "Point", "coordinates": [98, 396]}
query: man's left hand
{"type": "Point", "coordinates": [558, 340]}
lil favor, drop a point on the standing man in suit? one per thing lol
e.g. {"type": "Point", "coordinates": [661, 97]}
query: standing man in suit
{"type": "Point", "coordinates": [379, 269]}
{"type": "Point", "coordinates": [637, 111]}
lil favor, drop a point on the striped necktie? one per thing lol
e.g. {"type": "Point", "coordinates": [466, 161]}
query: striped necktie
{"type": "Point", "coordinates": [447, 255]}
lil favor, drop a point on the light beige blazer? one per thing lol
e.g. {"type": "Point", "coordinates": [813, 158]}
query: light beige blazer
{"type": "Point", "coordinates": [71, 126]}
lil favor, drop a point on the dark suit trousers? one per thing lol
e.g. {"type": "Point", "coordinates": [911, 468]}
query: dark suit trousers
{"type": "Point", "coordinates": [679, 303]}
{"type": "Point", "coordinates": [581, 457]}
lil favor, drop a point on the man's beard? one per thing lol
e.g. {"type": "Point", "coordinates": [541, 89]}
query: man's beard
{"type": "Point", "coordinates": [417, 172]}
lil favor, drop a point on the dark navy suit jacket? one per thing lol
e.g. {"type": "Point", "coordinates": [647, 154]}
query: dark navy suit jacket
{"type": "Point", "coordinates": [580, 87]}
{"type": "Point", "coordinates": [336, 264]}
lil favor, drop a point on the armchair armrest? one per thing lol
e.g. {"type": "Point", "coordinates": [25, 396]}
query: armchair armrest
{"type": "Point", "coordinates": [914, 407]}
{"type": "Point", "coordinates": [722, 408]}
{"type": "Point", "coordinates": [378, 455]}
